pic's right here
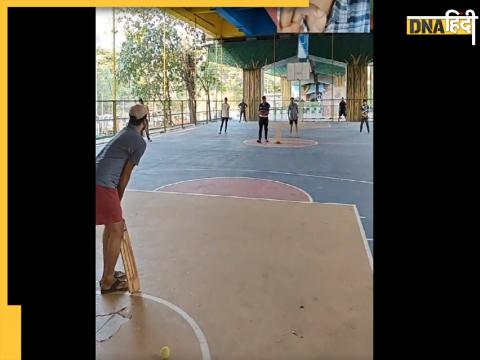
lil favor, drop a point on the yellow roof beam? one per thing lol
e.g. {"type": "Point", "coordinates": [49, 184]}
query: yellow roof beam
{"type": "Point", "coordinates": [207, 20]}
{"type": "Point", "coordinates": [201, 10]}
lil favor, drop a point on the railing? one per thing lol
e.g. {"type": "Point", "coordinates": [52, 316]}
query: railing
{"type": "Point", "coordinates": [323, 110]}
{"type": "Point", "coordinates": [175, 115]}
{"type": "Point", "coordinates": [178, 114]}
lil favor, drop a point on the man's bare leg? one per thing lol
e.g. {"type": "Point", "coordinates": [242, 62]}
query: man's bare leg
{"type": "Point", "coordinates": [105, 239]}
{"type": "Point", "coordinates": [296, 129]}
{"type": "Point", "coordinates": [112, 240]}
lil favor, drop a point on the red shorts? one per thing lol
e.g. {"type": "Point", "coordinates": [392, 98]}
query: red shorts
{"type": "Point", "coordinates": [108, 210]}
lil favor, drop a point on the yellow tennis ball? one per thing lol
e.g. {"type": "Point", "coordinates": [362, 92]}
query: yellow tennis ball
{"type": "Point", "coordinates": [165, 352]}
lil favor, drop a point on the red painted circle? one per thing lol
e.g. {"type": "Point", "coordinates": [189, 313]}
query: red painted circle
{"type": "Point", "coordinates": [284, 143]}
{"type": "Point", "coordinates": [242, 187]}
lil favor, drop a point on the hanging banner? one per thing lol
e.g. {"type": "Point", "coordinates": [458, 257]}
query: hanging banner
{"type": "Point", "coordinates": [302, 47]}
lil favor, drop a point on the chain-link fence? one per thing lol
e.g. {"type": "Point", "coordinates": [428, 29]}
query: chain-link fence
{"type": "Point", "coordinates": [318, 110]}
{"type": "Point", "coordinates": [112, 116]}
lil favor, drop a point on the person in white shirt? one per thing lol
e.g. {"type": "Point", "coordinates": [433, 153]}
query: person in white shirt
{"type": "Point", "coordinates": [225, 115]}
{"type": "Point", "coordinates": [365, 110]}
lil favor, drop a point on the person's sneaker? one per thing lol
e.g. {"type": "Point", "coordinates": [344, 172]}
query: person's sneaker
{"type": "Point", "coordinates": [258, 141]}
{"type": "Point", "coordinates": [266, 140]}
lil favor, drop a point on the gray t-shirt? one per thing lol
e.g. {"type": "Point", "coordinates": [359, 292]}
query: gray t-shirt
{"type": "Point", "coordinates": [128, 144]}
{"type": "Point", "coordinates": [242, 106]}
{"type": "Point", "coordinates": [293, 111]}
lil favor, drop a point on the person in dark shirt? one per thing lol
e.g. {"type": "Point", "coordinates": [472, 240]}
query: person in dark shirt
{"type": "Point", "coordinates": [342, 109]}
{"type": "Point", "coordinates": [263, 110]}
{"type": "Point", "coordinates": [242, 106]}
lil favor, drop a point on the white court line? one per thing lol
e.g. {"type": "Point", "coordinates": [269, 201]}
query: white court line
{"type": "Point", "coordinates": [282, 145]}
{"type": "Point", "coordinates": [326, 143]}
{"type": "Point", "coordinates": [223, 196]}
{"type": "Point", "coordinates": [240, 197]}
{"type": "Point", "coordinates": [268, 172]}
{"type": "Point", "coordinates": [202, 340]}
{"type": "Point", "coordinates": [364, 237]}
{"type": "Point", "coordinates": [238, 177]}
{"type": "Point", "coordinates": [334, 203]}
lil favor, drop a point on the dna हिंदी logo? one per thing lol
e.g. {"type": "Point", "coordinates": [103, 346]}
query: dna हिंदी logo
{"type": "Point", "coordinates": [453, 23]}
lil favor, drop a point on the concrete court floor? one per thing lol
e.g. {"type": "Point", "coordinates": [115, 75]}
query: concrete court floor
{"type": "Point", "coordinates": [271, 280]}
{"type": "Point", "coordinates": [339, 169]}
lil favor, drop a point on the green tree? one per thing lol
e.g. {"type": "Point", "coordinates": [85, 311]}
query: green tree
{"type": "Point", "coordinates": [208, 75]}
{"type": "Point", "coordinates": [188, 58]}
{"type": "Point", "coordinates": [104, 74]}
{"type": "Point", "coordinates": [151, 37]}
{"type": "Point", "coordinates": [208, 78]}
{"type": "Point", "coordinates": [105, 83]}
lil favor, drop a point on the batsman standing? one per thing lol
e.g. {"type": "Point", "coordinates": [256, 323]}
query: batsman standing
{"type": "Point", "coordinates": [114, 165]}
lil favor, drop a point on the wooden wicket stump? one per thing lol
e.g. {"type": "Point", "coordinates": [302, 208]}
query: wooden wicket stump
{"type": "Point", "coordinates": [129, 263]}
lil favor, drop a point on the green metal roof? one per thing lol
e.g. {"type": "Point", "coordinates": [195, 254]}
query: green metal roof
{"type": "Point", "coordinates": [344, 45]}
{"type": "Point", "coordinates": [256, 53]}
